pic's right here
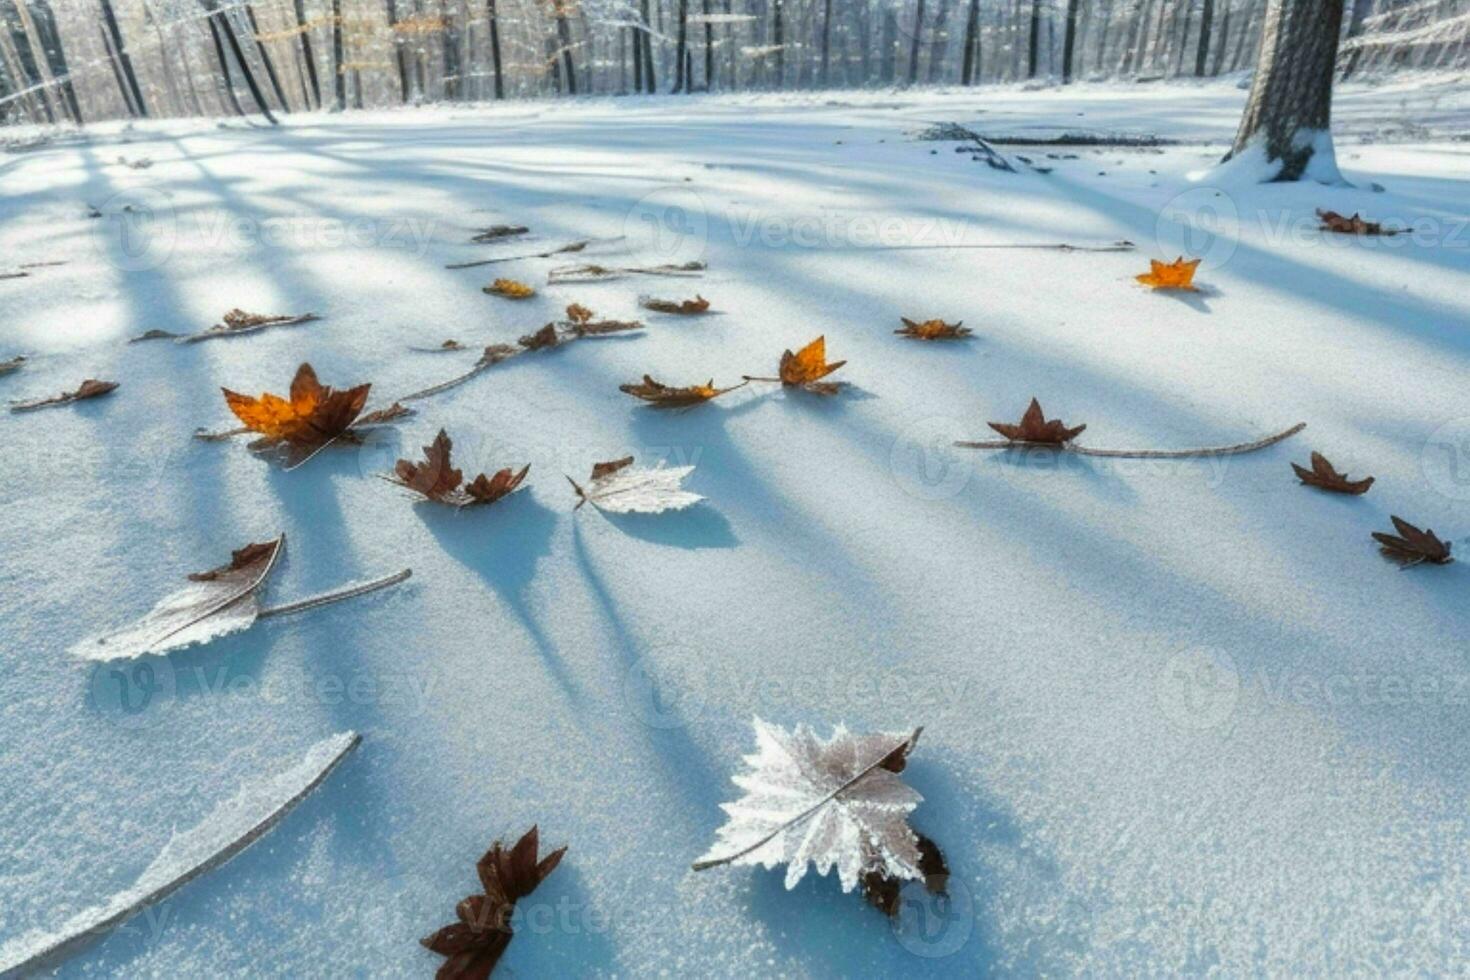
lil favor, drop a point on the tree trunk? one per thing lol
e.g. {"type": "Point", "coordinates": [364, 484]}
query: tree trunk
{"type": "Point", "coordinates": [453, 83]}
{"type": "Point", "coordinates": [889, 55]}
{"type": "Point", "coordinates": [265, 58]}
{"type": "Point", "coordinates": [681, 82]}
{"type": "Point", "coordinates": [1035, 38]}
{"type": "Point", "coordinates": [228, 32]}
{"type": "Point", "coordinates": [1202, 53]}
{"type": "Point", "coordinates": [564, 38]}
{"type": "Point", "coordinates": [339, 76]}
{"type": "Point", "coordinates": [649, 82]}
{"type": "Point", "coordinates": [1355, 27]}
{"type": "Point", "coordinates": [1289, 112]}
{"type": "Point", "coordinates": [43, 20]}
{"type": "Point", "coordinates": [316, 85]}
{"type": "Point", "coordinates": [397, 42]}
{"type": "Point", "coordinates": [224, 64]}
{"type": "Point", "coordinates": [1069, 42]}
{"type": "Point", "coordinates": [124, 59]}
{"type": "Point", "coordinates": [780, 42]}
{"type": "Point", "coordinates": [709, 48]}
{"type": "Point", "coordinates": [939, 47]}
{"type": "Point", "coordinates": [972, 31]}
{"type": "Point", "coordinates": [826, 40]}
{"type": "Point", "coordinates": [914, 48]}
{"type": "Point", "coordinates": [1224, 40]}
{"type": "Point", "coordinates": [494, 49]}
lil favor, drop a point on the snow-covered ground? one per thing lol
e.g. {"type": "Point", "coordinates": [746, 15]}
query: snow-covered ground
{"type": "Point", "coordinates": [1179, 716]}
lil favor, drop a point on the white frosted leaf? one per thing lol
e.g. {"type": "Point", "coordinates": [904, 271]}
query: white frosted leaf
{"type": "Point", "coordinates": [825, 803]}
{"type": "Point", "coordinates": [231, 827]}
{"type": "Point", "coordinates": [201, 611]}
{"type": "Point", "coordinates": [641, 491]}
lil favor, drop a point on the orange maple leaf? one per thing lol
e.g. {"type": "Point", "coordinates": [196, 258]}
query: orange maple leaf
{"type": "Point", "coordinates": [805, 368]}
{"type": "Point", "coordinates": [1178, 274]}
{"type": "Point", "coordinates": [313, 414]}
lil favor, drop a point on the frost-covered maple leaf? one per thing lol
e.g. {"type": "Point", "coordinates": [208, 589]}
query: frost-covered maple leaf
{"type": "Point", "coordinates": [619, 487]}
{"type": "Point", "coordinates": [837, 803]}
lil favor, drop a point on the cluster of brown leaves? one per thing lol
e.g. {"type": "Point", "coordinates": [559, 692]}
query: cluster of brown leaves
{"type": "Point", "coordinates": [688, 307]}
{"type": "Point", "coordinates": [932, 329]}
{"type": "Point", "coordinates": [436, 478]}
{"type": "Point", "coordinates": [664, 396]}
{"type": "Point", "coordinates": [1412, 546]}
{"type": "Point", "coordinates": [805, 369]}
{"type": "Point", "coordinates": [510, 289]}
{"type": "Point", "coordinates": [473, 945]}
{"type": "Point", "coordinates": [1325, 477]}
{"type": "Point", "coordinates": [90, 388]}
{"type": "Point", "coordinates": [310, 418]}
{"type": "Point", "coordinates": [1178, 274]}
{"type": "Point", "coordinates": [583, 322]}
{"type": "Point", "coordinates": [1035, 427]}
{"type": "Point", "coordinates": [1332, 221]}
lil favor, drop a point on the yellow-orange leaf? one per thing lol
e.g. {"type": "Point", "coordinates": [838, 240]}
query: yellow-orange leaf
{"type": "Point", "coordinates": [510, 289]}
{"type": "Point", "coordinates": [313, 414]}
{"type": "Point", "coordinates": [807, 366]}
{"type": "Point", "coordinates": [665, 396]}
{"type": "Point", "coordinates": [1178, 274]}
{"type": "Point", "coordinates": [932, 329]}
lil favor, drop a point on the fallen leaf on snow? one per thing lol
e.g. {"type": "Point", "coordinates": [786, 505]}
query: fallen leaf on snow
{"type": "Point", "coordinates": [313, 416]}
{"type": "Point", "coordinates": [833, 803]}
{"type": "Point", "coordinates": [1178, 274]}
{"type": "Point", "coordinates": [1412, 546]}
{"type": "Point", "coordinates": [1036, 427]}
{"type": "Point", "coordinates": [13, 364]}
{"type": "Point", "coordinates": [473, 945]}
{"type": "Point", "coordinates": [436, 479]}
{"type": "Point", "coordinates": [496, 232]}
{"type": "Point", "coordinates": [688, 307]}
{"type": "Point", "coordinates": [545, 337]}
{"type": "Point", "coordinates": [90, 388]}
{"type": "Point", "coordinates": [237, 322]}
{"type": "Point", "coordinates": [932, 329]}
{"type": "Point", "coordinates": [1325, 477]}
{"type": "Point", "coordinates": [1332, 221]}
{"type": "Point", "coordinates": [664, 396]}
{"type": "Point", "coordinates": [510, 289]}
{"type": "Point", "coordinates": [619, 488]}
{"type": "Point", "coordinates": [805, 368]}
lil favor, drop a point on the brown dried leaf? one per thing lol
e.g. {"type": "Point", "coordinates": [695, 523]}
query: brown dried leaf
{"type": "Point", "coordinates": [239, 558]}
{"type": "Point", "coordinates": [238, 322]}
{"type": "Point", "coordinates": [90, 388]}
{"type": "Point", "coordinates": [600, 470]}
{"type": "Point", "coordinates": [1412, 546]}
{"type": "Point", "coordinates": [437, 479]}
{"type": "Point", "coordinates": [883, 891]}
{"type": "Point", "coordinates": [495, 353]}
{"type": "Point", "coordinates": [1332, 221]}
{"type": "Point", "coordinates": [663, 396]}
{"type": "Point", "coordinates": [504, 483]}
{"type": "Point", "coordinates": [1325, 477]}
{"type": "Point", "coordinates": [577, 313]}
{"type": "Point", "coordinates": [1035, 427]}
{"type": "Point", "coordinates": [545, 337]}
{"type": "Point", "coordinates": [688, 307]}
{"type": "Point", "coordinates": [313, 415]}
{"type": "Point", "coordinates": [496, 232]}
{"type": "Point", "coordinates": [932, 329]}
{"type": "Point", "coordinates": [475, 943]}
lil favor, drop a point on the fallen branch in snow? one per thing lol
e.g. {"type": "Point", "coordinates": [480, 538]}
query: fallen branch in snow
{"type": "Point", "coordinates": [579, 326]}
{"type": "Point", "coordinates": [1244, 447]}
{"type": "Point", "coordinates": [13, 364]}
{"type": "Point", "coordinates": [336, 595]}
{"type": "Point", "coordinates": [496, 232]}
{"type": "Point", "coordinates": [91, 388]}
{"type": "Point", "coordinates": [602, 273]}
{"type": "Point", "coordinates": [23, 270]}
{"type": "Point", "coordinates": [237, 322]}
{"type": "Point", "coordinates": [576, 246]}
{"type": "Point", "coordinates": [1121, 245]}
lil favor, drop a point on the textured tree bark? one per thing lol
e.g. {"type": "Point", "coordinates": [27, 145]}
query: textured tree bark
{"type": "Point", "coordinates": [564, 38]}
{"type": "Point", "coordinates": [265, 58]}
{"type": "Point", "coordinates": [228, 32]}
{"type": "Point", "coordinates": [1069, 42]}
{"type": "Point", "coordinates": [1290, 107]}
{"type": "Point", "coordinates": [224, 65]}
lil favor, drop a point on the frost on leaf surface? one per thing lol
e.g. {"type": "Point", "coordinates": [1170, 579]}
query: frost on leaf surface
{"type": "Point", "coordinates": [214, 603]}
{"type": "Point", "coordinates": [621, 488]}
{"type": "Point", "coordinates": [838, 803]}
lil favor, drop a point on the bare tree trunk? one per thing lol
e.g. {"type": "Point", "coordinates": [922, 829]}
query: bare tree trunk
{"type": "Point", "coordinates": [339, 76]}
{"type": "Point", "coordinates": [709, 47]}
{"type": "Point", "coordinates": [1224, 41]}
{"type": "Point", "coordinates": [1289, 112]}
{"type": "Point", "coordinates": [224, 64]}
{"type": "Point", "coordinates": [1355, 27]}
{"type": "Point", "coordinates": [650, 83]}
{"type": "Point", "coordinates": [564, 38]}
{"type": "Point", "coordinates": [972, 31]}
{"type": "Point", "coordinates": [397, 42]}
{"type": "Point", "coordinates": [887, 67]}
{"type": "Point", "coordinates": [779, 39]}
{"type": "Point", "coordinates": [228, 32]}
{"type": "Point", "coordinates": [681, 82]}
{"type": "Point", "coordinates": [316, 85]}
{"type": "Point", "coordinates": [124, 59]}
{"type": "Point", "coordinates": [1238, 58]}
{"type": "Point", "coordinates": [494, 48]}
{"type": "Point", "coordinates": [1202, 53]}
{"type": "Point", "coordinates": [914, 48]}
{"type": "Point", "coordinates": [1035, 40]}
{"type": "Point", "coordinates": [1069, 42]}
{"type": "Point", "coordinates": [826, 40]}
{"type": "Point", "coordinates": [265, 58]}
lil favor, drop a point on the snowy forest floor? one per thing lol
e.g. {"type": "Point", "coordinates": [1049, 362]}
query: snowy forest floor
{"type": "Point", "coordinates": [1179, 715]}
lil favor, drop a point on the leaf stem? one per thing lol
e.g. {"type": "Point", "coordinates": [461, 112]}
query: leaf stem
{"type": "Point", "coordinates": [325, 598]}
{"type": "Point", "coordinates": [1067, 447]}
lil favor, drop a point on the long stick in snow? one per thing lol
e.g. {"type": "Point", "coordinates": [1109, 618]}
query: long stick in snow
{"type": "Point", "coordinates": [563, 250]}
{"type": "Point", "coordinates": [1121, 245]}
{"type": "Point", "coordinates": [1067, 447]}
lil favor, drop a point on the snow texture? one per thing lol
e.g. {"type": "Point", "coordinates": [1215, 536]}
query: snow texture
{"type": "Point", "coordinates": [1180, 716]}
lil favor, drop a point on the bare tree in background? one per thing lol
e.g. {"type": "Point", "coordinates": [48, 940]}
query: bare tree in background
{"type": "Point", "coordinates": [1289, 113]}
